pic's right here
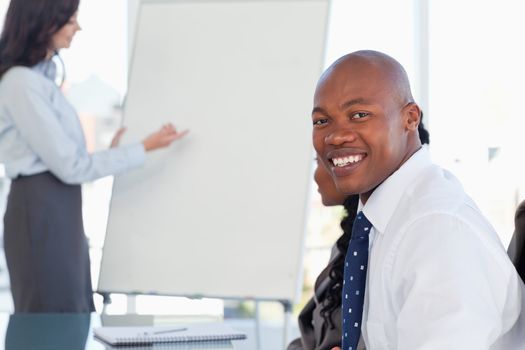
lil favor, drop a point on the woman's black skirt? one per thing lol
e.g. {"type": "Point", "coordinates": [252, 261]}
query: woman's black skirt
{"type": "Point", "coordinates": [46, 250]}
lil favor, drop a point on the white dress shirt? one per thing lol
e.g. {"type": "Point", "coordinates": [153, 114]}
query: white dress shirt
{"type": "Point", "coordinates": [40, 131]}
{"type": "Point", "coordinates": [438, 276]}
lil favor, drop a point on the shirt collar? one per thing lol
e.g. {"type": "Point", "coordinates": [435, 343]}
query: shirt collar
{"type": "Point", "coordinates": [47, 68]}
{"type": "Point", "coordinates": [381, 204]}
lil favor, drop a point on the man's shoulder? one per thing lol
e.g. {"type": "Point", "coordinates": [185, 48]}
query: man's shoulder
{"type": "Point", "coordinates": [438, 197]}
{"type": "Point", "coordinates": [438, 203]}
{"type": "Point", "coordinates": [435, 190]}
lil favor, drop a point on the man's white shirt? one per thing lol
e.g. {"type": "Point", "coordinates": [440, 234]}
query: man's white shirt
{"type": "Point", "coordinates": [438, 275]}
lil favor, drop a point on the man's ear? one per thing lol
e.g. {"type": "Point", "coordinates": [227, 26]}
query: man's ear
{"type": "Point", "coordinates": [412, 116]}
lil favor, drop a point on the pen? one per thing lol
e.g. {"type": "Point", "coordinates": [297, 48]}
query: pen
{"type": "Point", "coordinates": [171, 330]}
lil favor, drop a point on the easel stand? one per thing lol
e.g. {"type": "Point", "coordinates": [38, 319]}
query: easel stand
{"type": "Point", "coordinates": [287, 306]}
{"type": "Point", "coordinates": [106, 300]}
{"type": "Point", "coordinates": [287, 309]}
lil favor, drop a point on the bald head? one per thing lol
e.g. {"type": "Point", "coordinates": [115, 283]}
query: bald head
{"type": "Point", "coordinates": [365, 121]}
{"type": "Point", "coordinates": [378, 66]}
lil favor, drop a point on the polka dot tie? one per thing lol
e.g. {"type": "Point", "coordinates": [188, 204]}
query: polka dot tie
{"type": "Point", "coordinates": [354, 282]}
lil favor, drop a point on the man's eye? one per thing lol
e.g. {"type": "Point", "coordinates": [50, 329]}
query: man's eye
{"type": "Point", "coordinates": [319, 122]}
{"type": "Point", "coordinates": [360, 115]}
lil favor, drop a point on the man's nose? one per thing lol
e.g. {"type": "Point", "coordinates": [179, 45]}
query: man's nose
{"type": "Point", "coordinates": [340, 136]}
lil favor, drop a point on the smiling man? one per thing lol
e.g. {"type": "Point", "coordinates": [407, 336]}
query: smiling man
{"type": "Point", "coordinates": [424, 268]}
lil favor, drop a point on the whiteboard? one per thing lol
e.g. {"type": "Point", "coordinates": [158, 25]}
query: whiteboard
{"type": "Point", "coordinates": [221, 213]}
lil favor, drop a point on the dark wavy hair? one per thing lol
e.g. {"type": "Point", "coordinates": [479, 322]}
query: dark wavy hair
{"type": "Point", "coordinates": [424, 135]}
{"type": "Point", "coordinates": [28, 28]}
{"type": "Point", "coordinates": [333, 296]}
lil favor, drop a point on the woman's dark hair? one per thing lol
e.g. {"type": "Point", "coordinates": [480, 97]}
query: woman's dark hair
{"type": "Point", "coordinates": [28, 28]}
{"type": "Point", "coordinates": [424, 136]}
{"type": "Point", "coordinates": [335, 288]}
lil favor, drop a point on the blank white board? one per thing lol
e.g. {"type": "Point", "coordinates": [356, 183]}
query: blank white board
{"type": "Point", "coordinates": [221, 213]}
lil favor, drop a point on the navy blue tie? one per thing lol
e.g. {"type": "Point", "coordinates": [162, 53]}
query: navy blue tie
{"type": "Point", "coordinates": [354, 282]}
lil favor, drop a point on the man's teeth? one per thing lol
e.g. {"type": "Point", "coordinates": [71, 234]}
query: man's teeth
{"type": "Point", "coordinates": [342, 161]}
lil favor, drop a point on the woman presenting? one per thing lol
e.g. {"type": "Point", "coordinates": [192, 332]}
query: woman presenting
{"type": "Point", "coordinates": [43, 150]}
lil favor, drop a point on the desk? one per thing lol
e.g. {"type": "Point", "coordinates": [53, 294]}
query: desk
{"type": "Point", "coordinates": [70, 332]}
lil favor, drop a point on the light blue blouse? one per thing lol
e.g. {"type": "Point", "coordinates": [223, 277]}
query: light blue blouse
{"type": "Point", "coordinates": [40, 131]}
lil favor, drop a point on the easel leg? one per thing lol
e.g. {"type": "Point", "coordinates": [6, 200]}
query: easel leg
{"type": "Point", "coordinates": [287, 306]}
{"type": "Point", "coordinates": [131, 304]}
{"type": "Point", "coordinates": [106, 300]}
{"type": "Point", "coordinates": [257, 326]}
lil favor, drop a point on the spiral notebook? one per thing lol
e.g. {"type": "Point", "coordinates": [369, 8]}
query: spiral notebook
{"type": "Point", "coordinates": [214, 345]}
{"type": "Point", "coordinates": [198, 332]}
